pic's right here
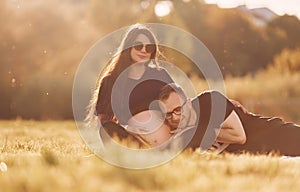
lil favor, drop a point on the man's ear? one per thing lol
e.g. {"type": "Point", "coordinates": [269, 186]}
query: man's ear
{"type": "Point", "coordinates": [161, 105]}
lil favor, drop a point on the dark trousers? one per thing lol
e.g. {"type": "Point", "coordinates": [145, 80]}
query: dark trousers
{"type": "Point", "coordinates": [268, 134]}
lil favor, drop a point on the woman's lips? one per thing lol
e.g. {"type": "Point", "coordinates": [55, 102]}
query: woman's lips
{"type": "Point", "coordinates": [142, 57]}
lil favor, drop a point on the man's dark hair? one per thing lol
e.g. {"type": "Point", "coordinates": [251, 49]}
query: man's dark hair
{"type": "Point", "coordinates": [166, 90]}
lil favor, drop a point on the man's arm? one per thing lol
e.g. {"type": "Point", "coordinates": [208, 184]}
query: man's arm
{"type": "Point", "coordinates": [232, 130]}
{"type": "Point", "coordinates": [239, 105]}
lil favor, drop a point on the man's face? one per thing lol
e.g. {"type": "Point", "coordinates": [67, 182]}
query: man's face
{"type": "Point", "coordinates": [176, 110]}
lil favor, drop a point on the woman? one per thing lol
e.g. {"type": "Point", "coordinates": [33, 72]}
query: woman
{"type": "Point", "coordinates": [128, 86]}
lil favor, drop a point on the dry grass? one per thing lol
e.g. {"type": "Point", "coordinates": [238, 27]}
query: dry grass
{"type": "Point", "coordinates": [51, 156]}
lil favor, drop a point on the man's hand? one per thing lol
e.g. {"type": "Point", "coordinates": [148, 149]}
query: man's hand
{"type": "Point", "coordinates": [239, 105]}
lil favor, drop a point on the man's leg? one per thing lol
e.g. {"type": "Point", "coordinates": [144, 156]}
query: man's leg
{"type": "Point", "coordinates": [267, 134]}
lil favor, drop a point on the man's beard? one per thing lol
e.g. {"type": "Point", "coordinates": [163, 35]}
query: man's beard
{"type": "Point", "coordinates": [173, 125]}
{"type": "Point", "coordinates": [183, 123]}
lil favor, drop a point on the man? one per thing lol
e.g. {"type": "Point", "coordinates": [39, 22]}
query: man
{"type": "Point", "coordinates": [263, 134]}
{"type": "Point", "coordinates": [204, 120]}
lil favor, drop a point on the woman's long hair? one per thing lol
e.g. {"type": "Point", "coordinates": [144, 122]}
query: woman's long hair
{"type": "Point", "coordinates": [118, 63]}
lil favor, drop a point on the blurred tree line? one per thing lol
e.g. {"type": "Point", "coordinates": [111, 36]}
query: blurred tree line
{"type": "Point", "coordinates": [42, 44]}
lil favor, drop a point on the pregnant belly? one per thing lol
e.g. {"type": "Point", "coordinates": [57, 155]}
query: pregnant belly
{"type": "Point", "coordinates": [149, 126]}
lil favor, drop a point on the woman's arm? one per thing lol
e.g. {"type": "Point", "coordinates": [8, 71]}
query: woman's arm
{"type": "Point", "coordinates": [232, 130]}
{"type": "Point", "coordinates": [104, 118]}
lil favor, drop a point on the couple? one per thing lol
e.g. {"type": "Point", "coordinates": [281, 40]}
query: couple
{"type": "Point", "coordinates": [129, 85]}
{"type": "Point", "coordinates": [209, 119]}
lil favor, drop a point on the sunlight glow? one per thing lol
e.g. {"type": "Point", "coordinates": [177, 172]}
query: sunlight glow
{"type": "Point", "coordinates": [163, 8]}
{"type": "Point", "coordinates": [145, 4]}
{"type": "Point", "coordinates": [290, 7]}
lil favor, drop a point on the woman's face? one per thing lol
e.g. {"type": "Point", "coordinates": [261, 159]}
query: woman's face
{"type": "Point", "coordinates": [142, 49]}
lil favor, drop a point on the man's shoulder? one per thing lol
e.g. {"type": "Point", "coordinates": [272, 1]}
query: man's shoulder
{"type": "Point", "coordinates": [206, 95]}
{"type": "Point", "coordinates": [195, 100]}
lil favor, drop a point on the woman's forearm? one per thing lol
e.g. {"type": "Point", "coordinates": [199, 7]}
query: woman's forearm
{"type": "Point", "coordinates": [104, 118]}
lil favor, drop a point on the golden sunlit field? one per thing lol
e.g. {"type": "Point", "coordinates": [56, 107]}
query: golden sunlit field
{"type": "Point", "coordinates": [51, 156]}
{"type": "Point", "coordinates": [44, 45]}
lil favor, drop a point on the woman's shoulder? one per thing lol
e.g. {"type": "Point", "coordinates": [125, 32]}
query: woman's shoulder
{"type": "Point", "coordinates": [106, 78]}
{"type": "Point", "coordinates": [106, 81]}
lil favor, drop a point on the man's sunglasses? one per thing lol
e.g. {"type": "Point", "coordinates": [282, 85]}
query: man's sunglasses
{"type": "Point", "coordinates": [150, 48]}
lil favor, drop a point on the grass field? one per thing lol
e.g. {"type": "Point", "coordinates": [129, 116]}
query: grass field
{"type": "Point", "coordinates": [51, 156]}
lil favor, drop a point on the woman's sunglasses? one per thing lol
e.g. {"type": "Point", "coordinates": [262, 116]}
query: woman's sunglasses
{"type": "Point", "coordinates": [150, 48]}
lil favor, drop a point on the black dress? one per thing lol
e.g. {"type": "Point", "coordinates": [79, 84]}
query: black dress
{"type": "Point", "coordinates": [127, 97]}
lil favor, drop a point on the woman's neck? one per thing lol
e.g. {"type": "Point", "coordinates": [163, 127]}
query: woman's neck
{"type": "Point", "coordinates": [136, 71]}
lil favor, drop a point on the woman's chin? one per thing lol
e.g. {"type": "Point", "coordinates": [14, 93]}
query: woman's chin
{"type": "Point", "coordinates": [141, 62]}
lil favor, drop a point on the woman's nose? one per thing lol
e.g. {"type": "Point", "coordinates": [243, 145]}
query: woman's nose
{"type": "Point", "coordinates": [143, 49]}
